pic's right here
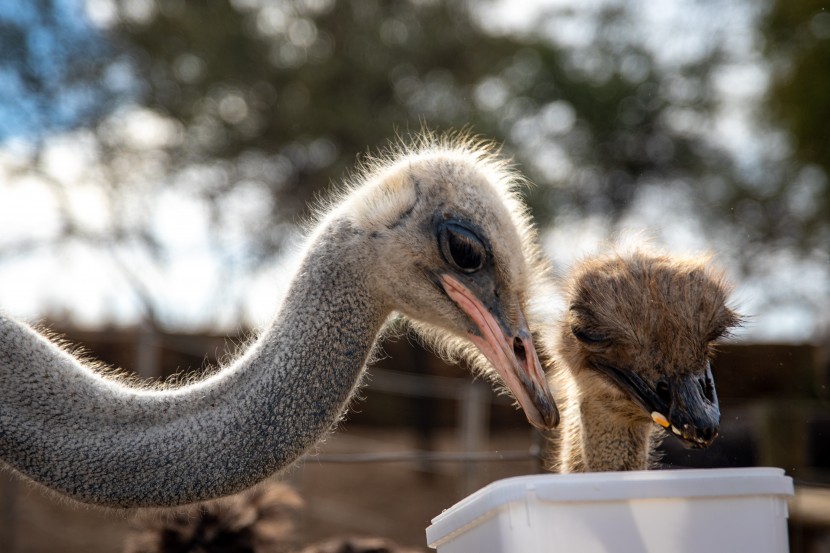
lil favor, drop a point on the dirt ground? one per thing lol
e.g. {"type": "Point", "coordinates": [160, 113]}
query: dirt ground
{"type": "Point", "coordinates": [395, 500]}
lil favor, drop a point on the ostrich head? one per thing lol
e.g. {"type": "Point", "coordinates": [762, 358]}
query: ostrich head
{"type": "Point", "coordinates": [643, 326]}
{"type": "Point", "coordinates": [434, 233]}
{"type": "Point", "coordinates": [452, 249]}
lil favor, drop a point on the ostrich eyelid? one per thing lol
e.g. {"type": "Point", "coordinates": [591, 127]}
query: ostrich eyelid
{"type": "Point", "coordinates": [461, 246]}
{"type": "Point", "coordinates": [589, 337]}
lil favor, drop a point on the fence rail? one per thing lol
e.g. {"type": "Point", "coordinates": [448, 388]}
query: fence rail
{"type": "Point", "coordinates": [531, 454]}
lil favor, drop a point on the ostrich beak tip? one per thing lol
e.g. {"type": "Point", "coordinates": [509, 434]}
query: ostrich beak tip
{"type": "Point", "coordinates": [511, 353]}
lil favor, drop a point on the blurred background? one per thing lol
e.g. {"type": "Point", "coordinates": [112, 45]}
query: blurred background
{"type": "Point", "coordinates": [158, 158]}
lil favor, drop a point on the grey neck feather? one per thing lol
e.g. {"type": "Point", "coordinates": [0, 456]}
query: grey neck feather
{"type": "Point", "coordinates": [101, 442]}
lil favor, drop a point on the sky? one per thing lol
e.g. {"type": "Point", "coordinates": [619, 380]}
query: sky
{"type": "Point", "coordinates": [197, 287]}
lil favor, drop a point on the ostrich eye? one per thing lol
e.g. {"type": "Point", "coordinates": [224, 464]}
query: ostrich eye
{"type": "Point", "coordinates": [588, 336]}
{"type": "Point", "coordinates": [583, 327]}
{"type": "Point", "coordinates": [461, 248]}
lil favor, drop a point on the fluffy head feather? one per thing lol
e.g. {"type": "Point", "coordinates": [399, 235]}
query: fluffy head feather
{"type": "Point", "coordinates": [636, 339]}
{"type": "Point", "coordinates": [653, 312]}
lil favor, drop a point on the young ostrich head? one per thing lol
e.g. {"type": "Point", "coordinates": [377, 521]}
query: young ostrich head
{"type": "Point", "coordinates": [635, 348]}
{"type": "Point", "coordinates": [434, 232]}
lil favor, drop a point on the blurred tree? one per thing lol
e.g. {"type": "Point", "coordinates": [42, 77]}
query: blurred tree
{"type": "Point", "coordinates": [263, 104]}
{"type": "Point", "coordinates": [52, 75]}
{"type": "Point", "coordinates": [285, 95]}
{"type": "Point", "coordinates": [798, 48]}
{"type": "Point", "coordinates": [798, 44]}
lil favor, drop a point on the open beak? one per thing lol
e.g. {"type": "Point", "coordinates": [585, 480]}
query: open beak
{"type": "Point", "coordinates": [688, 407]}
{"type": "Point", "coordinates": [511, 353]}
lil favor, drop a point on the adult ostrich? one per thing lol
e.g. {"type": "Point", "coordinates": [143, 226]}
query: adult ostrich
{"type": "Point", "coordinates": [632, 357]}
{"type": "Point", "coordinates": [433, 232]}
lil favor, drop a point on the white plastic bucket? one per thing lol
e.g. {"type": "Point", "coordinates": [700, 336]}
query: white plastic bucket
{"type": "Point", "coordinates": [670, 511]}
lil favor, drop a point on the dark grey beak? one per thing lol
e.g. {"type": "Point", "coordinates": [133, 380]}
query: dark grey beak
{"type": "Point", "coordinates": [694, 413]}
{"type": "Point", "coordinates": [687, 406]}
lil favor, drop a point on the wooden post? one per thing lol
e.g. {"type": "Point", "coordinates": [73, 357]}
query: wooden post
{"type": "Point", "coordinates": [474, 426]}
{"type": "Point", "coordinates": [8, 522]}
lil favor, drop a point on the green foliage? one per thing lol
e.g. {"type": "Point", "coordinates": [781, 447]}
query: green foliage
{"type": "Point", "coordinates": [798, 43]}
{"type": "Point", "coordinates": [798, 47]}
{"type": "Point", "coordinates": [305, 86]}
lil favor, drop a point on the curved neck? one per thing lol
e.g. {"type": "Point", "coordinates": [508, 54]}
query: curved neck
{"type": "Point", "coordinates": [97, 441]}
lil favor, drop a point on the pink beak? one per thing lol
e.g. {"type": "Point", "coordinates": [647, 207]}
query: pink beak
{"type": "Point", "coordinates": [513, 356]}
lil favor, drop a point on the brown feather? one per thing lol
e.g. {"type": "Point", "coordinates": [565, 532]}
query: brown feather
{"type": "Point", "coordinates": [653, 313]}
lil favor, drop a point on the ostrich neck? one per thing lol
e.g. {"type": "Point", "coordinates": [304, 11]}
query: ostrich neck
{"type": "Point", "coordinates": [98, 441]}
{"type": "Point", "coordinates": [600, 431]}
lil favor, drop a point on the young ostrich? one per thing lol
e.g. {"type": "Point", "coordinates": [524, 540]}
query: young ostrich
{"type": "Point", "coordinates": [632, 357]}
{"type": "Point", "coordinates": [259, 520]}
{"type": "Point", "coordinates": [433, 232]}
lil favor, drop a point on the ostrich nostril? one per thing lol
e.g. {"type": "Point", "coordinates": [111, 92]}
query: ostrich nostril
{"type": "Point", "coordinates": [663, 392]}
{"type": "Point", "coordinates": [706, 434]}
{"type": "Point", "coordinates": [519, 350]}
